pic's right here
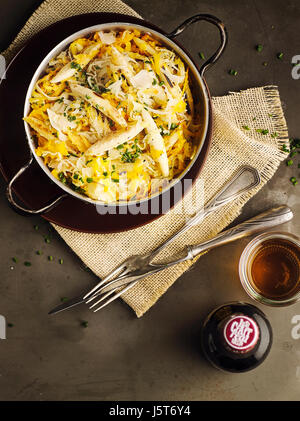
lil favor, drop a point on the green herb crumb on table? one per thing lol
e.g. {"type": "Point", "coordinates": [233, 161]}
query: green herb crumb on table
{"type": "Point", "coordinates": [293, 151]}
{"type": "Point", "coordinates": [294, 181]}
{"type": "Point", "coordinates": [84, 323]}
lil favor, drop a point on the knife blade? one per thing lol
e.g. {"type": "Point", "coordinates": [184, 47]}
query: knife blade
{"type": "Point", "coordinates": [68, 304]}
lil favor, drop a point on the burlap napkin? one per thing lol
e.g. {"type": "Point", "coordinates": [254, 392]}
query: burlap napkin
{"type": "Point", "coordinates": [232, 146]}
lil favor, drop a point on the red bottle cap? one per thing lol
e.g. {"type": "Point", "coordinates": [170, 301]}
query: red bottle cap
{"type": "Point", "coordinates": [241, 333]}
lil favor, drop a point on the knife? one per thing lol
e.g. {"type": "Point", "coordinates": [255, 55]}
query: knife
{"type": "Point", "coordinates": [268, 219]}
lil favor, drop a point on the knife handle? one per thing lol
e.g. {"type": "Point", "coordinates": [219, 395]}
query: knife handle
{"type": "Point", "coordinates": [265, 220]}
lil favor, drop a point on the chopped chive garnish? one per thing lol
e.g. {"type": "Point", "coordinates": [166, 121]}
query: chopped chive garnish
{"type": "Point", "coordinates": [62, 177]}
{"type": "Point", "coordinates": [10, 324]}
{"type": "Point", "coordinates": [280, 55]}
{"type": "Point", "coordinates": [265, 63]}
{"type": "Point", "coordinates": [262, 131]}
{"type": "Point", "coordinates": [105, 173]}
{"type": "Point", "coordinates": [294, 181]}
{"type": "Point", "coordinates": [232, 72]}
{"type": "Point", "coordinates": [154, 82]}
{"type": "Point", "coordinates": [289, 162]}
{"type": "Point", "coordinates": [161, 83]}
{"type": "Point", "coordinates": [295, 142]}
{"type": "Point", "coordinates": [201, 55]}
{"type": "Point", "coordinates": [294, 153]}
{"type": "Point", "coordinates": [60, 261]}
{"type": "Point", "coordinates": [115, 180]}
{"type": "Point", "coordinates": [89, 180]}
{"type": "Point", "coordinates": [47, 239]}
{"type": "Point", "coordinates": [36, 227]}
{"type": "Point", "coordinates": [84, 323]}
{"type": "Point", "coordinates": [27, 264]}
{"type": "Point", "coordinates": [74, 65]}
{"type": "Point", "coordinates": [259, 48]}
{"type": "Point", "coordinates": [246, 127]}
{"type": "Point", "coordinates": [285, 149]}
{"type": "Point", "coordinates": [63, 299]}
{"type": "Point", "coordinates": [273, 135]}
{"type": "Point", "coordinates": [39, 253]}
{"type": "Point", "coordinates": [50, 258]}
{"type": "Point", "coordinates": [14, 259]}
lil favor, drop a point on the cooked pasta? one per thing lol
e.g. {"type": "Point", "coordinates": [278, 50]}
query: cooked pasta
{"type": "Point", "coordinates": [113, 113]}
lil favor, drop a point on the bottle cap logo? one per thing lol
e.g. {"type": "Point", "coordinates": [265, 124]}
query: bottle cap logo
{"type": "Point", "coordinates": [241, 332]}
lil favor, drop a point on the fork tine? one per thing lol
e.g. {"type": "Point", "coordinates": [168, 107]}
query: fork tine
{"type": "Point", "coordinates": [126, 274]}
{"type": "Point", "coordinates": [107, 278]}
{"type": "Point", "coordinates": [117, 295]}
{"type": "Point", "coordinates": [102, 288]}
{"type": "Point", "coordinates": [107, 294]}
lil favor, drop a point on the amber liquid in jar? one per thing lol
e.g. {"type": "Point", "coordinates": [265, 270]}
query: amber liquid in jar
{"type": "Point", "coordinates": [275, 269]}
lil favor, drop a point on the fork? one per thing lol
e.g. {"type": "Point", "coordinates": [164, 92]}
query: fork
{"type": "Point", "coordinates": [139, 266]}
{"type": "Point", "coordinates": [245, 179]}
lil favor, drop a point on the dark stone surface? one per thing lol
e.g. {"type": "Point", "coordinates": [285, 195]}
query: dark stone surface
{"type": "Point", "coordinates": [120, 357]}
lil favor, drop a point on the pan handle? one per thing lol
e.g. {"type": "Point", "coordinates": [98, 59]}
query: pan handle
{"type": "Point", "coordinates": [20, 209]}
{"type": "Point", "coordinates": [211, 19]}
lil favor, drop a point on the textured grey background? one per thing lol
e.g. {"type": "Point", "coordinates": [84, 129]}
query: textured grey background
{"type": "Point", "coordinates": [157, 357]}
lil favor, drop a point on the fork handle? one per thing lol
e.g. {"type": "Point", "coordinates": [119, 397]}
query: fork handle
{"type": "Point", "coordinates": [268, 219]}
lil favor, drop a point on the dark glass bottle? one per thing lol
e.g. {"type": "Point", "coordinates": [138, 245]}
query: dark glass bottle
{"type": "Point", "coordinates": [236, 337]}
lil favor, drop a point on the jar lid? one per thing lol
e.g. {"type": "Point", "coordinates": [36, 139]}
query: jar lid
{"type": "Point", "coordinates": [241, 333]}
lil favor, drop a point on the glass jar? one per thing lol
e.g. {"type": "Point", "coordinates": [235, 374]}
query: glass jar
{"type": "Point", "coordinates": [287, 242]}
